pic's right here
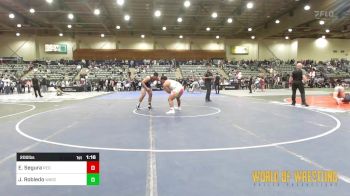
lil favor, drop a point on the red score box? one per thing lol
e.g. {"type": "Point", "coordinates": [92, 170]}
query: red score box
{"type": "Point", "coordinates": [93, 167]}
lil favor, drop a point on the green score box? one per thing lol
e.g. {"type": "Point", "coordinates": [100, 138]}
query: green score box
{"type": "Point", "coordinates": [93, 179]}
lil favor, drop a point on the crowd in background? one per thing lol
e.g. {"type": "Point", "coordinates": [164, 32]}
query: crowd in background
{"type": "Point", "coordinates": [267, 74]}
{"type": "Point", "coordinates": [321, 74]}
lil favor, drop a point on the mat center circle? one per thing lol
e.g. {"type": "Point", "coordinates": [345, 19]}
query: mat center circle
{"type": "Point", "coordinates": [187, 111]}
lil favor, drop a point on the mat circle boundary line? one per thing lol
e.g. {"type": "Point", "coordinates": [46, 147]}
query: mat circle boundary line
{"type": "Point", "coordinates": [332, 130]}
{"type": "Point", "coordinates": [22, 112]}
{"type": "Point", "coordinates": [217, 110]}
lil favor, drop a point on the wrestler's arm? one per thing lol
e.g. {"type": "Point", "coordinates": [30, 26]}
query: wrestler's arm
{"type": "Point", "coordinates": [166, 87]}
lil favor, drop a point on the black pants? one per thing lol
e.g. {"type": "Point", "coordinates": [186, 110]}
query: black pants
{"type": "Point", "coordinates": [208, 87]}
{"type": "Point", "coordinates": [300, 86]}
{"type": "Point", "coordinates": [19, 89]}
{"type": "Point", "coordinates": [250, 87]}
{"type": "Point", "coordinates": [217, 88]}
{"type": "Point", "coordinates": [37, 89]}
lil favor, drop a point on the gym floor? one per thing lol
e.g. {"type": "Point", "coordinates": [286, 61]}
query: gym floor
{"type": "Point", "coordinates": [206, 149]}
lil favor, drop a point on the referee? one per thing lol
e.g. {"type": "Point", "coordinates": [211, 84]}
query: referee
{"type": "Point", "coordinates": [250, 83]}
{"type": "Point", "coordinates": [36, 86]}
{"type": "Point", "coordinates": [298, 79]}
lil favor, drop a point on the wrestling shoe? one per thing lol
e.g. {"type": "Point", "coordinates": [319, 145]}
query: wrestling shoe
{"type": "Point", "coordinates": [149, 107]}
{"type": "Point", "coordinates": [178, 108]}
{"type": "Point", "coordinates": [138, 107]}
{"type": "Point", "coordinates": [172, 111]}
{"type": "Point", "coordinates": [305, 105]}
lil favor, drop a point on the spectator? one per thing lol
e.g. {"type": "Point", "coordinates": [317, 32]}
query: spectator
{"type": "Point", "coordinates": [208, 78]}
{"type": "Point", "coordinates": [217, 83]}
{"type": "Point", "coordinates": [44, 85]}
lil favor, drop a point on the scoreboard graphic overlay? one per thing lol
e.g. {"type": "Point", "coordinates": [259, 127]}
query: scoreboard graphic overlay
{"type": "Point", "coordinates": [58, 169]}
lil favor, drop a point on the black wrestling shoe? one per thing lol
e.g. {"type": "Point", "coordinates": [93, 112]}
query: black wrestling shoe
{"type": "Point", "coordinates": [149, 107]}
{"type": "Point", "coordinates": [305, 105]}
{"type": "Point", "coordinates": [293, 104]}
{"type": "Point", "coordinates": [138, 107]}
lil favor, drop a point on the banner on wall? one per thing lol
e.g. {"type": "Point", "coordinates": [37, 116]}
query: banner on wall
{"type": "Point", "coordinates": [56, 48]}
{"type": "Point", "coordinates": [239, 50]}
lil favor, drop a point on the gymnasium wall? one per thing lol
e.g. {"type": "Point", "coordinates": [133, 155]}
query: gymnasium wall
{"type": "Point", "coordinates": [264, 49]}
{"type": "Point", "coordinates": [252, 46]}
{"type": "Point", "coordinates": [11, 46]}
{"type": "Point", "coordinates": [41, 41]}
{"type": "Point", "coordinates": [149, 43]}
{"type": "Point", "coordinates": [281, 49]}
{"type": "Point", "coordinates": [323, 49]}
{"type": "Point", "coordinates": [183, 55]}
{"type": "Point", "coordinates": [32, 47]}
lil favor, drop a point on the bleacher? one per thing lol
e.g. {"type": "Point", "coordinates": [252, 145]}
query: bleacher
{"type": "Point", "coordinates": [338, 74]}
{"type": "Point", "coordinates": [13, 70]}
{"type": "Point", "coordinates": [165, 70]}
{"type": "Point", "coordinates": [54, 72]}
{"type": "Point", "coordinates": [246, 72]}
{"type": "Point", "coordinates": [112, 72]}
{"type": "Point", "coordinates": [284, 68]}
{"type": "Point", "coordinates": [196, 71]}
{"type": "Point", "coordinates": [118, 70]}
